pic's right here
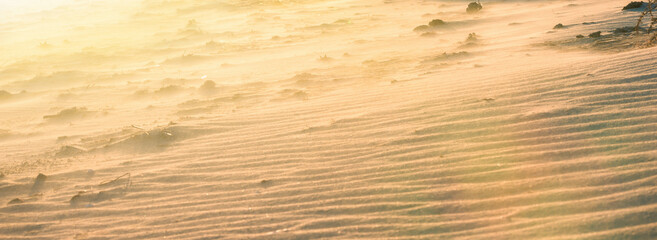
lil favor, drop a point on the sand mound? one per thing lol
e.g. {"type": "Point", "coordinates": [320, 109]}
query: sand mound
{"type": "Point", "coordinates": [57, 80]}
{"type": "Point", "coordinates": [5, 134]}
{"type": "Point", "coordinates": [5, 96]}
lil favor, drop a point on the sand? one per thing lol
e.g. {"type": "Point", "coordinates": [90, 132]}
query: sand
{"type": "Point", "coordinates": [326, 119]}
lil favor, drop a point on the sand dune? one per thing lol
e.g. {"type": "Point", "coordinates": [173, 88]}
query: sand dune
{"type": "Point", "coordinates": [326, 119]}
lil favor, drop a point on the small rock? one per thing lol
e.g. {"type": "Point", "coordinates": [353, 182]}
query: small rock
{"type": "Point", "coordinates": [595, 34]}
{"type": "Point", "coordinates": [266, 181]}
{"type": "Point", "coordinates": [208, 87]}
{"type": "Point", "coordinates": [90, 173]}
{"type": "Point", "coordinates": [82, 196]}
{"type": "Point", "coordinates": [38, 183]}
{"type": "Point", "coordinates": [558, 26]}
{"type": "Point", "coordinates": [579, 36]}
{"type": "Point", "coordinates": [633, 5]}
{"type": "Point", "coordinates": [15, 201]}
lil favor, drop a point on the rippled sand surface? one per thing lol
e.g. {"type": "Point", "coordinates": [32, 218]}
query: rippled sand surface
{"type": "Point", "coordinates": [319, 119]}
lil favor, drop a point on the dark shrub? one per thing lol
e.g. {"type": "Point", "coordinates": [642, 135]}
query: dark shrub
{"type": "Point", "coordinates": [436, 23]}
{"type": "Point", "coordinates": [422, 28]}
{"type": "Point", "coordinates": [473, 7]}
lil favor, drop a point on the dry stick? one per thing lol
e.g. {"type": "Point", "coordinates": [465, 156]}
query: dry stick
{"type": "Point", "coordinates": [116, 179]}
{"type": "Point", "coordinates": [125, 188]}
{"type": "Point", "coordinates": [652, 17]}
{"type": "Point", "coordinates": [649, 9]}
{"type": "Point", "coordinates": [643, 15]}
{"type": "Point", "coordinates": [652, 4]}
{"type": "Point", "coordinates": [142, 129]}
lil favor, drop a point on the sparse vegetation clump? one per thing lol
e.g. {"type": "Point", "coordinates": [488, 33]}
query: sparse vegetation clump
{"type": "Point", "coordinates": [192, 25]}
{"type": "Point", "coordinates": [450, 56]}
{"type": "Point", "coordinates": [325, 58]}
{"type": "Point", "coordinates": [472, 37]}
{"type": "Point", "coordinates": [471, 41]}
{"type": "Point", "coordinates": [623, 30]}
{"type": "Point", "coordinates": [473, 7]}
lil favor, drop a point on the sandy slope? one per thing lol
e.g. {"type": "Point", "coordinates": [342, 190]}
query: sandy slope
{"type": "Point", "coordinates": [525, 133]}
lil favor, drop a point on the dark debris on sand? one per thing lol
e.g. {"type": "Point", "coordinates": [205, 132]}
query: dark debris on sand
{"type": "Point", "coordinates": [619, 39]}
{"type": "Point", "coordinates": [15, 201]}
{"type": "Point", "coordinates": [595, 34]}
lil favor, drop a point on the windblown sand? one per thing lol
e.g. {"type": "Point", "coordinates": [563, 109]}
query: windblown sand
{"type": "Point", "coordinates": [326, 119]}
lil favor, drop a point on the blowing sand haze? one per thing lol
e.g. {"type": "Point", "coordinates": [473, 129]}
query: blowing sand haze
{"type": "Point", "coordinates": [327, 119]}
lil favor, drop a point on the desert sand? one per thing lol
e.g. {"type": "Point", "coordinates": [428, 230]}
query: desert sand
{"type": "Point", "coordinates": [325, 119]}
